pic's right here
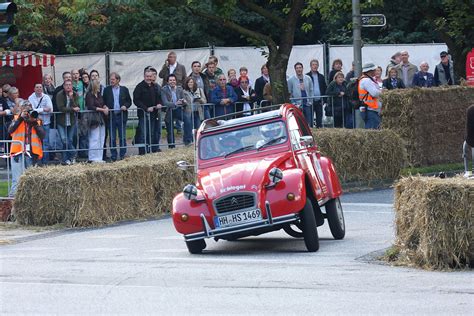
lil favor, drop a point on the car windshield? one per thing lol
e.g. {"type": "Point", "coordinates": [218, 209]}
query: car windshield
{"type": "Point", "coordinates": [236, 141]}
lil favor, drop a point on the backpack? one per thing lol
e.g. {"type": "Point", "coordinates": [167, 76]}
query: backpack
{"type": "Point", "coordinates": [353, 93]}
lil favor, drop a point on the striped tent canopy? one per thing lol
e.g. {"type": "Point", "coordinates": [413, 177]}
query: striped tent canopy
{"type": "Point", "coordinates": [22, 59]}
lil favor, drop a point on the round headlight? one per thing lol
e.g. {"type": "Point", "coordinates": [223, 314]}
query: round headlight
{"type": "Point", "coordinates": [190, 192]}
{"type": "Point", "coordinates": [275, 175]}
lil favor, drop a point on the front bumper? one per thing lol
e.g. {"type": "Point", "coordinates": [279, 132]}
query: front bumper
{"type": "Point", "coordinates": [268, 222]}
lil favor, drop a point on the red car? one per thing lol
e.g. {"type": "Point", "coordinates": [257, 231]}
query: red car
{"type": "Point", "coordinates": [258, 174]}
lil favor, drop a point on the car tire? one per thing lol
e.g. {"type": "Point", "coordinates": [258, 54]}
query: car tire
{"type": "Point", "coordinates": [196, 246]}
{"type": "Point", "coordinates": [290, 230]}
{"type": "Point", "coordinates": [310, 230]}
{"type": "Point", "coordinates": [335, 217]}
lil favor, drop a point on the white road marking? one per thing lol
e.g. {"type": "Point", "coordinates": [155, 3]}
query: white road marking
{"type": "Point", "coordinates": [369, 204]}
{"type": "Point", "coordinates": [112, 236]}
{"type": "Point", "coordinates": [102, 249]}
{"type": "Point", "coordinates": [368, 212]}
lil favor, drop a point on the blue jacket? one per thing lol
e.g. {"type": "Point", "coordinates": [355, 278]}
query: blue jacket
{"type": "Point", "coordinates": [217, 96]}
{"type": "Point", "coordinates": [419, 80]}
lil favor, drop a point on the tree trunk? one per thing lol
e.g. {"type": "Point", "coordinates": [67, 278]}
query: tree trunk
{"type": "Point", "coordinates": [459, 61]}
{"type": "Point", "coordinates": [277, 65]}
{"type": "Point", "coordinates": [278, 57]}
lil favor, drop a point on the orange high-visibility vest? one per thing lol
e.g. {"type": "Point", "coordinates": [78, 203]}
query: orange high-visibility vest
{"type": "Point", "coordinates": [365, 96]}
{"type": "Point", "coordinates": [20, 135]}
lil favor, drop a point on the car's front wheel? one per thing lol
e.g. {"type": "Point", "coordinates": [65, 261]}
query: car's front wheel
{"type": "Point", "coordinates": [310, 230]}
{"type": "Point", "coordinates": [335, 217]}
{"type": "Point", "coordinates": [294, 229]}
{"type": "Point", "coordinates": [196, 246]}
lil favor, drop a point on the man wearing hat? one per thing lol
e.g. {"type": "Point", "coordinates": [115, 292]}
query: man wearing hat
{"type": "Point", "coordinates": [444, 72]}
{"type": "Point", "coordinates": [369, 93]}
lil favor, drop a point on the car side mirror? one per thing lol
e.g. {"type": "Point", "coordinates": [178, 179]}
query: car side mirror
{"type": "Point", "coordinates": [183, 165]}
{"type": "Point", "coordinates": [307, 140]}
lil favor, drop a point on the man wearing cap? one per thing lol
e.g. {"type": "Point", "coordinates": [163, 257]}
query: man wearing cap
{"type": "Point", "coordinates": [444, 71]}
{"type": "Point", "coordinates": [369, 93]}
{"type": "Point", "coordinates": [394, 61]}
{"type": "Point", "coordinates": [406, 70]}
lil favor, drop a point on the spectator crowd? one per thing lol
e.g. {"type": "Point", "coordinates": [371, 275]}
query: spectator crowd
{"type": "Point", "coordinates": [89, 117]}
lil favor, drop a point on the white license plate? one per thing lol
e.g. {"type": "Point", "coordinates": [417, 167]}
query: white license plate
{"type": "Point", "coordinates": [237, 218]}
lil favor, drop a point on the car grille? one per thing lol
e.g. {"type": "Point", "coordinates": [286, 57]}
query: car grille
{"type": "Point", "coordinates": [235, 202]}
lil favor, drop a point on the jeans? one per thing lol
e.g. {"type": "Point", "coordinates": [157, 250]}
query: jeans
{"type": "Point", "coordinates": [117, 124]}
{"type": "Point", "coordinates": [318, 111]}
{"type": "Point", "coordinates": [149, 131]}
{"type": "Point", "coordinates": [67, 134]}
{"type": "Point", "coordinates": [171, 116]}
{"type": "Point", "coordinates": [191, 120]}
{"type": "Point", "coordinates": [208, 111]}
{"type": "Point", "coordinates": [348, 119]}
{"type": "Point", "coordinates": [45, 159]}
{"type": "Point", "coordinates": [372, 120]}
{"type": "Point", "coordinates": [308, 114]}
{"type": "Point", "coordinates": [17, 169]}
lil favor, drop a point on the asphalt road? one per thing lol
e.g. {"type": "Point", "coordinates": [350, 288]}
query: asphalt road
{"type": "Point", "coordinates": [144, 268]}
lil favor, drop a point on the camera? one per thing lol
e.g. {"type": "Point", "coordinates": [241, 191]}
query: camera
{"type": "Point", "coordinates": [33, 114]}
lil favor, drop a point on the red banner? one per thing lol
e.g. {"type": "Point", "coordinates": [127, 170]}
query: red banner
{"type": "Point", "coordinates": [470, 68]}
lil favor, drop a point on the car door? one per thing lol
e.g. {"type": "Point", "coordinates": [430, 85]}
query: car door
{"type": "Point", "coordinates": [304, 154]}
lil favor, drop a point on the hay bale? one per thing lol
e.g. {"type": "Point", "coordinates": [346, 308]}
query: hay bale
{"type": "Point", "coordinates": [430, 121]}
{"type": "Point", "coordinates": [362, 155]}
{"type": "Point", "coordinates": [434, 222]}
{"type": "Point", "coordinates": [94, 195]}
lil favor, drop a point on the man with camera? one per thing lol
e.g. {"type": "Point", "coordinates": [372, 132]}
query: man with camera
{"type": "Point", "coordinates": [42, 104]}
{"type": "Point", "coordinates": [27, 134]}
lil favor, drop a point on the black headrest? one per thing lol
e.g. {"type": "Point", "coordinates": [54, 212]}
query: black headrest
{"type": "Point", "coordinates": [470, 126]}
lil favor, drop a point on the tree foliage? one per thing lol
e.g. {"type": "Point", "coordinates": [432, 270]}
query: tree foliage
{"type": "Point", "coordinates": [82, 26]}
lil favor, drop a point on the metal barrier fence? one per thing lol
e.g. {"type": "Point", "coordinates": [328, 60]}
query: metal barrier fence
{"type": "Point", "coordinates": [13, 169]}
{"type": "Point", "coordinates": [328, 111]}
{"type": "Point", "coordinates": [80, 136]}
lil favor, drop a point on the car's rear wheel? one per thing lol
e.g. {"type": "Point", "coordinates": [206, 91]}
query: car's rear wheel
{"type": "Point", "coordinates": [335, 217]}
{"type": "Point", "coordinates": [310, 230]}
{"type": "Point", "coordinates": [196, 246]}
{"type": "Point", "coordinates": [294, 229]}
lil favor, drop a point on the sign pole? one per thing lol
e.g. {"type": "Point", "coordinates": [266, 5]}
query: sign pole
{"type": "Point", "coordinates": [357, 47]}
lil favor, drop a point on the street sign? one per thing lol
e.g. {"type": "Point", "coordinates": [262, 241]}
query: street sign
{"type": "Point", "coordinates": [373, 20]}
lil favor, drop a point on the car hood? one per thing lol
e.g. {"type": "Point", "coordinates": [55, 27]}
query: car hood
{"type": "Point", "coordinates": [241, 175]}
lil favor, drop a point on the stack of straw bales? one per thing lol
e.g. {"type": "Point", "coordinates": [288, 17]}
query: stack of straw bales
{"type": "Point", "coordinates": [435, 222]}
{"type": "Point", "coordinates": [362, 155]}
{"type": "Point", "coordinates": [93, 195]}
{"type": "Point", "coordinates": [431, 121]}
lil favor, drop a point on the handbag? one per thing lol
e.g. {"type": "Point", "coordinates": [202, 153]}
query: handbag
{"type": "Point", "coordinates": [89, 120]}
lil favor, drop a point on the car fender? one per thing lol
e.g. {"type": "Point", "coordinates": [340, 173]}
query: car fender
{"type": "Point", "coordinates": [193, 209]}
{"type": "Point", "coordinates": [331, 179]}
{"type": "Point", "coordinates": [293, 182]}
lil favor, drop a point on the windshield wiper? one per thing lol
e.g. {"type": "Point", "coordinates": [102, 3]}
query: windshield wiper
{"type": "Point", "coordinates": [271, 142]}
{"type": "Point", "coordinates": [239, 150]}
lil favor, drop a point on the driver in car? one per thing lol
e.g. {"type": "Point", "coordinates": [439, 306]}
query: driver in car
{"type": "Point", "coordinates": [216, 147]}
{"type": "Point", "coordinates": [271, 132]}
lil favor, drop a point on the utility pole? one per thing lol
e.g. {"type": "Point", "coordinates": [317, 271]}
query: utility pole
{"type": "Point", "coordinates": [357, 37]}
{"type": "Point", "coordinates": [357, 47]}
